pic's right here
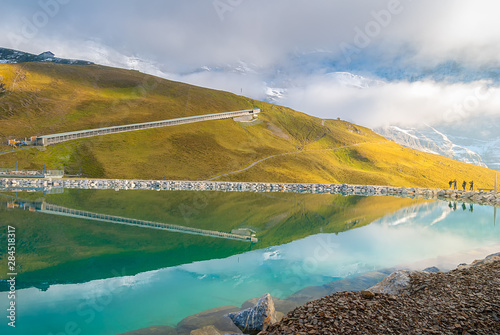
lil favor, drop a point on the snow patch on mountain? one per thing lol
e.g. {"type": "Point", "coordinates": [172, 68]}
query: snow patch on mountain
{"type": "Point", "coordinates": [429, 139]}
{"type": "Point", "coordinates": [489, 150]}
{"type": "Point", "coordinates": [348, 79]}
{"type": "Point", "coordinates": [406, 132]}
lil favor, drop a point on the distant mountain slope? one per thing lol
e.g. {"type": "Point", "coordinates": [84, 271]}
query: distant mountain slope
{"type": "Point", "coordinates": [452, 143]}
{"type": "Point", "coordinates": [14, 56]}
{"type": "Point", "coordinates": [44, 98]}
{"type": "Point", "coordinates": [429, 139]}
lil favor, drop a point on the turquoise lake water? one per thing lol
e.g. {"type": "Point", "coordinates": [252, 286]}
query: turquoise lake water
{"type": "Point", "coordinates": [113, 301]}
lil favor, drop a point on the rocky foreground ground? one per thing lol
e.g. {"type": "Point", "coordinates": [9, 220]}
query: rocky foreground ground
{"type": "Point", "coordinates": [462, 301]}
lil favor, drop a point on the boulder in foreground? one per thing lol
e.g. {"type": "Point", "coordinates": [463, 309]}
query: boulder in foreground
{"type": "Point", "coordinates": [257, 318]}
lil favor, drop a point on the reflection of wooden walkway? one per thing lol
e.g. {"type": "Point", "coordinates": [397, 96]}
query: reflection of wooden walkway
{"type": "Point", "coordinates": [59, 210]}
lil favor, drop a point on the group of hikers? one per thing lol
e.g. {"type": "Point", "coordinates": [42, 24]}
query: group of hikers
{"type": "Point", "coordinates": [464, 184]}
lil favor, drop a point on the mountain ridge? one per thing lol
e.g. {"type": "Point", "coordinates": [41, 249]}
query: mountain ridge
{"type": "Point", "coordinates": [447, 143]}
{"type": "Point", "coordinates": [44, 98]}
{"type": "Point", "coordinates": [15, 56]}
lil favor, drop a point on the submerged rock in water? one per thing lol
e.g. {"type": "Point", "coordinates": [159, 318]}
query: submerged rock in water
{"type": "Point", "coordinates": [216, 317]}
{"type": "Point", "coordinates": [257, 318]}
{"type": "Point", "coordinates": [208, 330]}
{"type": "Point", "coordinates": [359, 283]}
{"type": "Point", "coordinates": [153, 330]}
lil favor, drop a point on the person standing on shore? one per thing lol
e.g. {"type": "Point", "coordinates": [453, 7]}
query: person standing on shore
{"type": "Point", "coordinates": [454, 184]}
{"type": "Point", "coordinates": [471, 185]}
{"type": "Point", "coordinates": [450, 183]}
{"type": "Point", "coordinates": [464, 184]}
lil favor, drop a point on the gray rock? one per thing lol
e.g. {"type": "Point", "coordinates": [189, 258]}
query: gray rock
{"type": "Point", "coordinates": [489, 259]}
{"type": "Point", "coordinates": [255, 319]}
{"type": "Point", "coordinates": [493, 255]}
{"type": "Point", "coordinates": [280, 305]}
{"type": "Point", "coordinates": [396, 283]}
{"type": "Point", "coordinates": [432, 269]}
{"type": "Point", "coordinates": [367, 294]}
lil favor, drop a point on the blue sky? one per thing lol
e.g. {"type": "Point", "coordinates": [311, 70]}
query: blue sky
{"type": "Point", "coordinates": [250, 45]}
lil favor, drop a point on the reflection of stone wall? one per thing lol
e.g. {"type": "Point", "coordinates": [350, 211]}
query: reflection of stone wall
{"type": "Point", "coordinates": [478, 197]}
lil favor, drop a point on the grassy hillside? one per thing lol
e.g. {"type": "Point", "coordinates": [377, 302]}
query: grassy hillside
{"type": "Point", "coordinates": [50, 98]}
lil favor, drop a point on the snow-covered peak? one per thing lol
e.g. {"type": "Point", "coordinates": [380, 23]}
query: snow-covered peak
{"type": "Point", "coordinates": [239, 67]}
{"type": "Point", "coordinates": [47, 55]}
{"type": "Point", "coordinates": [275, 94]}
{"type": "Point", "coordinates": [348, 79]}
{"type": "Point", "coordinates": [343, 79]}
{"type": "Point", "coordinates": [15, 56]}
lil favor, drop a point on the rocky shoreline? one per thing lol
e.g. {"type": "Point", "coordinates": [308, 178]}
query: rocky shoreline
{"type": "Point", "coordinates": [58, 185]}
{"type": "Point", "coordinates": [463, 301]}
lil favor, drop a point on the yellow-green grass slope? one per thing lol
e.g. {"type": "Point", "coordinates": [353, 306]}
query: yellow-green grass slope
{"type": "Point", "coordinates": [50, 98]}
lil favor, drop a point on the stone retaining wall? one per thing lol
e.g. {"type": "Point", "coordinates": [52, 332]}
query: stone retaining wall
{"type": "Point", "coordinates": [48, 184]}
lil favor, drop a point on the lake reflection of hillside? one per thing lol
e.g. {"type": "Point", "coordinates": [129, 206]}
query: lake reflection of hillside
{"type": "Point", "coordinates": [417, 236]}
{"type": "Point", "coordinates": [58, 249]}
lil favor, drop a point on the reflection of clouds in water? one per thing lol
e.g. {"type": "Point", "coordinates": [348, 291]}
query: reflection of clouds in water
{"type": "Point", "coordinates": [442, 217]}
{"type": "Point", "coordinates": [64, 297]}
{"type": "Point", "coordinates": [104, 286]}
{"type": "Point", "coordinates": [404, 219]}
{"type": "Point", "coordinates": [409, 235]}
{"type": "Point", "coordinates": [272, 255]}
{"type": "Point", "coordinates": [402, 238]}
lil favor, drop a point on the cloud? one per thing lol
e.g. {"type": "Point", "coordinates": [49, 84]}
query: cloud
{"type": "Point", "coordinates": [248, 85]}
{"type": "Point", "coordinates": [190, 34]}
{"type": "Point", "coordinates": [461, 30]}
{"type": "Point", "coordinates": [403, 103]}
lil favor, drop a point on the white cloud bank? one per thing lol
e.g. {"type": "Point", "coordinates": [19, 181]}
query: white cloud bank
{"type": "Point", "coordinates": [403, 103]}
{"type": "Point", "coordinates": [191, 33]}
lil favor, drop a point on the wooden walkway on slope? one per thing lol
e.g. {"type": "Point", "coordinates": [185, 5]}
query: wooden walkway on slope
{"type": "Point", "coordinates": [62, 137]}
